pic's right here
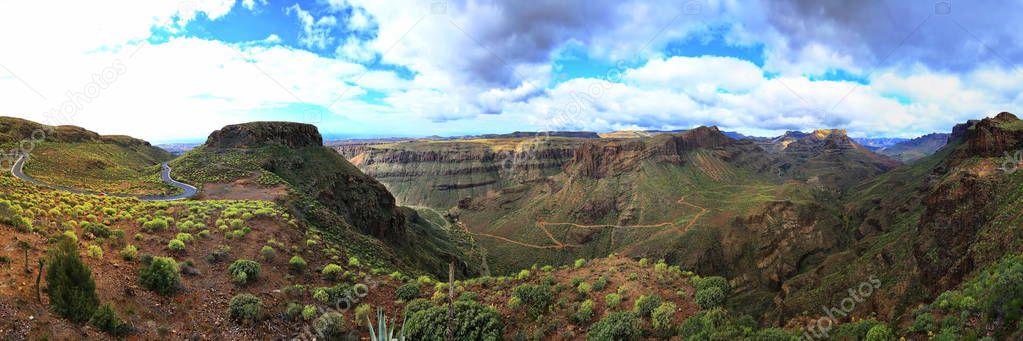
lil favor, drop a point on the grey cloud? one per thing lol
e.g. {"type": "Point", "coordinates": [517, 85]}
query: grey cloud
{"type": "Point", "coordinates": [952, 35]}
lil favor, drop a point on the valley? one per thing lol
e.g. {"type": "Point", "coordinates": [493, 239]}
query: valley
{"type": "Point", "coordinates": [784, 223]}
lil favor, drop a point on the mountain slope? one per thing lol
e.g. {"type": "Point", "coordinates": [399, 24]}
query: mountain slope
{"type": "Point", "coordinates": [914, 149]}
{"type": "Point", "coordinates": [329, 192]}
{"type": "Point", "coordinates": [73, 157]}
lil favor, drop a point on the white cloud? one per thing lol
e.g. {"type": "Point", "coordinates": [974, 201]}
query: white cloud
{"type": "Point", "coordinates": [316, 33]}
{"type": "Point", "coordinates": [355, 49]}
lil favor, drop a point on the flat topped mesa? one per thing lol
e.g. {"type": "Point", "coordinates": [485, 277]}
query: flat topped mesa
{"type": "Point", "coordinates": [258, 134]}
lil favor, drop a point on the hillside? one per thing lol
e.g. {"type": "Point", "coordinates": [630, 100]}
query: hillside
{"type": "Point", "coordinates": [914, 149]}
{"type": "Point", "coordinates": [74, 157]}
{"type": "Point", "coordinates": [287, 162]}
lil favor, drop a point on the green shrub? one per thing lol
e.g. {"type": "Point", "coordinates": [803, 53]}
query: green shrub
{"type": "Point", "coordinates": [584, 288]}
{"type": "Point", "coordinates": [613, 300]}
{"type": "Point", "coordinates": [129, 253]}
{"type": "Point", "coordinates": [924, 323]}
{"type": "Point", "coordinates": [702, 283]}
{"type": "Point", "coordinates": [243, 271]}
{"type": "Point", "coordinates": [332, 272]}
{"type": "Point", "coordinates": [330, 325]}
{"type": "Point", "coordinates": [662, 319]}
{"type": "Point", "coordinates": [407, 292]}
{"type": "Point", "coordinates": [579, 263]}
{"type": "Point", "coordinates": [616, 326]}
{"type": "Point", "coordinates": [584, 313]}
{"type": "Point", "coordinates": [70, 286]}
{"type": "Point", "coordinates": [309, 312]}
{"type": "Point", "coordinates": [711, 297]}
{"type": "Point", "coordinates": [162, 275]}
{"type": "Point", "coordinates": [361, 312]}
{"type": "Point", "coordinates": [880, 332]}
{"type": "Point", "coordinates": [473, 321]}
{"type": "Point", "coordinates": [293, 311]}
{"type": "Point", "coordinates": [537, 297]}
{"type": "Point", "coordinates": [417, 305]}
{"type": "Point", "coordinates": [176, 245]}
{"type": "Point", "coordinates": [106, 319]}
{"type": "Point", "coordinates": [94, 251]}
{"type": "Point", "coordinates": [185, 237]}
{"type": "Point", "coordinates": [154, 225]}
{"type": "Point", "coordinates": [646, 304]}
{"type": "Point", "coordinates": [297, 264]}
{"type": "Point", "coordinates": [600, 283]}
{"type": "Point", "coordinates": [246, 308]}
{"type": "Point", "coordinates": [267, 253]}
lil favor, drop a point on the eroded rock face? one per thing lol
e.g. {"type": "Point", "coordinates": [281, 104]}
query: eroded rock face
{"type": "Point", "coordinates": [257, 134]}
{"type": "Point", "coordinates": [990, 137]}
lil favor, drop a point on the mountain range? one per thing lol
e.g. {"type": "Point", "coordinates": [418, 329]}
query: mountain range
{"type": "Point", "coordinates": [781, 226]}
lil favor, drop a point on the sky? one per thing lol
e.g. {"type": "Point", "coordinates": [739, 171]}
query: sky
{"type": "Point", "coordinates": [173, 71]}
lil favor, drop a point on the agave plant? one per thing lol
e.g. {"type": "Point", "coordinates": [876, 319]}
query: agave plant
{"type": "Point", "coordinates": [385, 332]}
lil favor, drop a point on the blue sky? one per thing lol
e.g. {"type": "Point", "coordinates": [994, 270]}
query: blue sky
{"type": "Point", "coordinates": [366, 68]}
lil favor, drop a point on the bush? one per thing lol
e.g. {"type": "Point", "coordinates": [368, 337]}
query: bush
{"type": "Point", "coordinates": [176, 245]}
{"type": "Point", "coordinates": [297, 264]}
{"type": "Point", "coordinates": [646, 304]}
{"type": "Point", "coordinates": [880, 332]}
{"type": "Point", "coordinates": [69, 283]}
{"type": "Point", "coordinates": [129, 253]}
{"type": "Point", "coordinates": [267, 253]}
{"type": "Point", "coordinates": [407, 292]}
{"type": "Point", "coordinates": [154, 225]}
{"type": "Point", "coordinates": [106, 319]}
{"type": "Point", "coordinates": [245, 308]}
{"type": "Point", "coordinates": [361, 312]}
{"type": "Point", "coordinates": [662, 317]}
{"type": "Point", "coordinates": [613, 300]}
{"type": "Point", "coordinates": [309, 312]}
{"type": "Point", "coordinates": [330, 325]}
{"type": "Point", "coordinates": [616, 326]}
{"type": "Point", "coordinates": [162, 275]}
{"type": "Point", "coordinates": [702, 283]}
{"type": "Point", "coordinates": [584, 288]}
{"type": "Point", "coordinates": [537, 297]}
{"type": "Point", "coordinates": [473, 321]}
{"type": "Point", "coordinates": [417, 305]}
{"type": "Point", "coordinates": [243, 271]}
{"type": "Point", "coordinates": [579, 263]}
{"type": "Point", "coordinates": [600, 283]}
{"type": "Point", "coordinates": [293, 311]}
{"type": "Point", "coordinates": [584, 313]}
{"type": "Point", "coordinates": [924, 323]}
{"type": "Point", "coordinates": [332, 272]}
{"type": "Point", "coordinates": [185, 237]}
{"type": "Point", "coordinates": [94, 251]}
{"type": "Point", "coordinates": [710, 298]}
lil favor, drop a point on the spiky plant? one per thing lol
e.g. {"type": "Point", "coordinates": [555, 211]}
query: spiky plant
{"type": "Point", "coordinates": [385, 332]}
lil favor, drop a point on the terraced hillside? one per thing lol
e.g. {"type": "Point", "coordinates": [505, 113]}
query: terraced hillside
{"type": "Point", "coordinates": [74, 157]}
{"type": "Point", "coordinates": [439, 173]}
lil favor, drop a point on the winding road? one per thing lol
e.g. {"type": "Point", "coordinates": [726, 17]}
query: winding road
{"type": "Point", "coordinates": [188, 190]}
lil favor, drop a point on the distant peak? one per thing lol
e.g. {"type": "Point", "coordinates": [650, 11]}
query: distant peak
{"type": "Point", "coordinates": [825, 133]}
{"type": "Point", "coordinates": [259, 134]}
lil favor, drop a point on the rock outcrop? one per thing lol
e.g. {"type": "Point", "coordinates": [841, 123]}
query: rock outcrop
{"type": "Point", "coordinates": [256, 134]}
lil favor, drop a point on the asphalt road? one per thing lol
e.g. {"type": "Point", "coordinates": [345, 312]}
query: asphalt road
{"type": "Point", "coordinates": [188, 190]}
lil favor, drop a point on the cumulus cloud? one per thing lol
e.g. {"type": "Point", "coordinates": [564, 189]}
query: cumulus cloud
{"type": "Point", "coordinates": [316, 32]}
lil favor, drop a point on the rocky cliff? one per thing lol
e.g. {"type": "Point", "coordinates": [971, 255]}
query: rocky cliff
{"type": "Point", "coordinates": [440, 173]}
{"type": "Point", "coordinates": [257, 134]}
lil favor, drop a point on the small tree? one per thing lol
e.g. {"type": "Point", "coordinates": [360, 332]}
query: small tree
{"type": "Point", "coordinates": [69, 283]}
{"type": "Point", "coordinates": [162, 275]}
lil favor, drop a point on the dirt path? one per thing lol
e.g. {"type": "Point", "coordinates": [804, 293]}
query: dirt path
{"type": "Point", "coordinates": [558, 244]}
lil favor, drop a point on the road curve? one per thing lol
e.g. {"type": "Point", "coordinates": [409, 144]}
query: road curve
{"type": "Point", "coordinates": [188, 190]}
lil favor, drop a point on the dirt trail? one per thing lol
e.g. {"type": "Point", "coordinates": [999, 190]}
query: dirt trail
{"type": "Point", "coordinates": [558, 244]}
